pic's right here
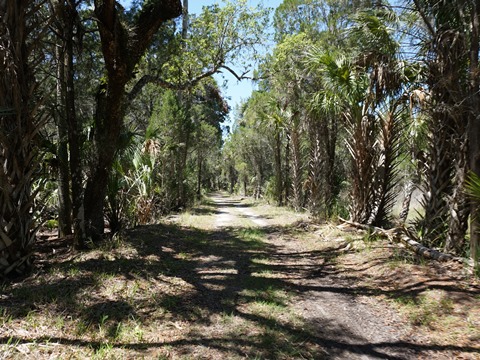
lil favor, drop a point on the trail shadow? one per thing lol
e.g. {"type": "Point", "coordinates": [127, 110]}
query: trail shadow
{"type": "Point", "coordinates": [232, 203]}
{"type": "Point", "coordinates": [221, 200]}
{"type": "Point", "coordinates": [221, 272]}
{"type": "Point", "coordinates": [225, 344]}
{"type": "Point", "coordinates": [204, 211]}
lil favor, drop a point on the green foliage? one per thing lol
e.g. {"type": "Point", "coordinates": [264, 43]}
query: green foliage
{"type": "Point", "coordinates": [51, 224]}
{"type": "Point", "coordinates": [223, 36]}
{"type": "Point", "coordinates": [298, 16]}
{"type": "Point", "coordinates": [473, 187]}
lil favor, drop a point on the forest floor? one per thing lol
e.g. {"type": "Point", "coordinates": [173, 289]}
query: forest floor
{"type": "Point", "coordinates": [233, 279]}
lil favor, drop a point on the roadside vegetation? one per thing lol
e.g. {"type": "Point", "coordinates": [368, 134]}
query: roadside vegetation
{"type": "Point", "coordinates": [351, 174]}
{"type": "Point", "coordinates": [173, 291]}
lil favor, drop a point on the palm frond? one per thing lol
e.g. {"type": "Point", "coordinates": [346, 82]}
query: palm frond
{"type": "Point", "coordinates": [472, 187]}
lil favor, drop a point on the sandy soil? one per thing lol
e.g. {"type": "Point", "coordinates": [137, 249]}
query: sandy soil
{"type": "Point", "coordinates": [347, 325]}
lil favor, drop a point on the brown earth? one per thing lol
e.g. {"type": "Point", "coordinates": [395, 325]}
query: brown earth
{"type": "Point", "coordinates": [241, 281]}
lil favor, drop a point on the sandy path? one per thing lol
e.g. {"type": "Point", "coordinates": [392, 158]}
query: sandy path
{"type": "Point", "coordinates": [352, 327]}
{"type": "Point", "coordinates": [229, 211]}
{"type": "Point", "coordinates": [348, 326]}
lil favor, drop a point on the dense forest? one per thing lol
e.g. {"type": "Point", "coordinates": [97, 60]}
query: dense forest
{"type": "Point", "coordinates": [112, 117]}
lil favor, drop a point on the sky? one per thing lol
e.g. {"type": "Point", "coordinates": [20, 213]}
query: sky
{"type": "Point", "coordinates": [235, 91]}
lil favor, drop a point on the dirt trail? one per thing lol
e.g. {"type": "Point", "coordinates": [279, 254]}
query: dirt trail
{"type": "Point", "coordinates": [353, 327]}
{"type": "Point", "coordinates": [347, 326]}
{"type": "Point", "coordinates": [231, 209]}
{"type": "Point", "coordinates": [234, 280]}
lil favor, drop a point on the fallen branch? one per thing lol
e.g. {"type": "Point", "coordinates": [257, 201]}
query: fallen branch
{"type": "Point", "coordinates": [401, 235]}
{"type": "Point", "coordinates": [16, 264]}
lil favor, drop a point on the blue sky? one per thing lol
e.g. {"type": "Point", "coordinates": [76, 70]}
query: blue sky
{"type": "Point", "coordinates": [235, 91]}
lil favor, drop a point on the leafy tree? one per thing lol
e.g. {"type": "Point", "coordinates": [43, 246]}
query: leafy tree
{"type": "Point", "coordinates": [209, 43]}
{"type": "Point", "coordinates": [218, 39]}
{"type": "Point", "coordinates": [300, 16]}
{"type": "Point", "coordinates": [288, 83]}
{"type": "Point", "coordinates": [123, 45]}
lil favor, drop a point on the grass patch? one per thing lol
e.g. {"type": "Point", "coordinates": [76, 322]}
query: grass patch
{"type": "Point", "coordinates": [105, 351]}
{"type": "Point", "coordinates": [260, 290]}
{"type": "Point", "coordinates": [426, 309]}
{"type": "Point", "coordinates": [170, 302]}
{"type": "Point", "coordinates": [252, 238]}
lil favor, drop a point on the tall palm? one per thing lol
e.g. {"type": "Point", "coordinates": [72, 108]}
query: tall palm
{"type": "Point", "coordinates": [19, 129]}
{"type": "Point", "coordinates": [288, 81]}
{"type": "Point", "coordinates": [373, 31]}
{"type": "Point", "coordinates": [450, 39]}
{"type": "Point", "coordinates": [355, 87]}
{"type": "Point", "coordinates": [342, 93]}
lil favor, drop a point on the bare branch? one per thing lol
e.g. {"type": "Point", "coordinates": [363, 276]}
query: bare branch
{"type": "Point", "coordinates": [238, 77]}
{"type": "Point", "coordinates": [424, 17]}
{"type": "Point", "coordinates": [152, 79]}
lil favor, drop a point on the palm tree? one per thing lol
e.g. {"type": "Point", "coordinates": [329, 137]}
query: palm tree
{"type": "Point", "coordinates": [450, 39]}
{"type": "Point", "coordinates": [355, 87]}
{"type": "Point", "coordinates": [19, 129]}
{"type": "Point", "coordinates": [288, 82]}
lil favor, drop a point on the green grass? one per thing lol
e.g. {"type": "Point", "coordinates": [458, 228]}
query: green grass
{"type": "Point", "coordinates": [252, 238]}
{"type": "Point", "coordinates": [105, 351]}
{"type": "Point", "coordinates": [425, 310]}
{"type": "Point", "coordinates": [170, 302]}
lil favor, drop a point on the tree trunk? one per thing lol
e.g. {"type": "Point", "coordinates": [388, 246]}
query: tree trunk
{"type": "Point", "coordinates": [74, 132]}
{"type": "Point", "coordinates": [182, 168]}
{"type": "Point", "coordinates": [232, 178]}
{"type": "Point", "coordinates": [458, 204]}
{"type": "Point", "coordinates": [447, 128]}
{"type": "Point", "coordinates": [437, 182]}
{"type": "Point", "coordinates": [474, 157]}
{"type": "Point", "coordinates": [185, 19]}
{"type": "Point", "coordinates": [316, 173]}
{"type": "Point", "coordinates": [385, 172]}
{"type": "Point", "coordinates": [332, 187]}
{"type": "Point", "coordinates": [64, 199]}
{"type": "Point", "coordinates": [122, 48]}
{"type": "Point", "coordinates": [474, 129]}
{"type": "Point", "coordinates": [364, 158]}
{"type": "Point", "coordinates": [199, 175]}
{"type": "Point", "coordinates": [18, 138]}
{"type": "Point", "coordinates": [108, 126]}
{"type": "Point", "coordinates": [278, 167]}
{"type": "Point", "coordinates": [259, 176]}
{"type": "Point", "coordinates": [286, 184]}
{"type": "Point", "coordinates": [296, 168]}
{"type": "Point", "coordinates": [244, 185]}
{"type": "Point", "coordinates": [407, 198]}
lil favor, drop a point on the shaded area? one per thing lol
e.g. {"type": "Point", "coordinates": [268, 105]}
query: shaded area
{"type": "Point", "coordinates": [175, 274]}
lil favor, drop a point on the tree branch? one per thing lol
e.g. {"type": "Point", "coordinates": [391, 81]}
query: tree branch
{"type": "Point", "coordinates": [424, 17]}
{"type": "Point", "coordinates": [152, 79]}
{"type": "Point", "coordinates": [152, 15]}
{"type": "Point", "coordinates": [401, 235]}
{"type": "Point", "coordinates": [238, 77]}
